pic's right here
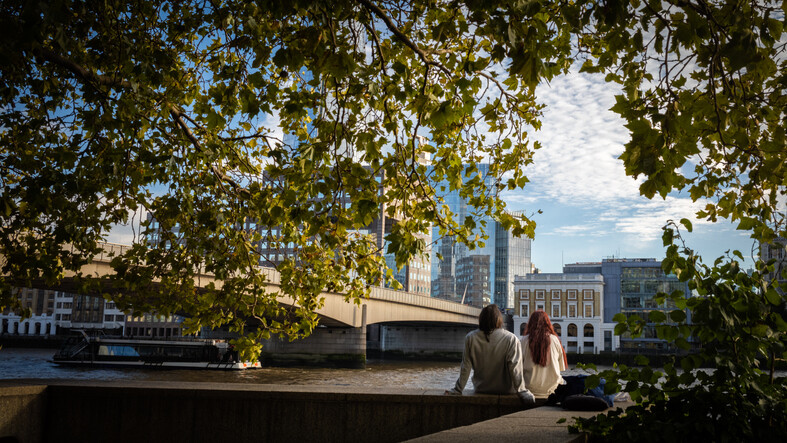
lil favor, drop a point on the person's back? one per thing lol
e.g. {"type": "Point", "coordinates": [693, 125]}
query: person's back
{"type": "Point", "coordinates": [542, 380]}
{"type": "Point", "coordinates": [495, 357]}
{"type": "Point", "coordinates": [543, 356]}
{"type": "Point", "coordinates": [491, 357]}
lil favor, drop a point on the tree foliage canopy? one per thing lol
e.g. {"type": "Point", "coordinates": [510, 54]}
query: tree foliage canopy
{"type": "Point", "coordinates": [176, 107]}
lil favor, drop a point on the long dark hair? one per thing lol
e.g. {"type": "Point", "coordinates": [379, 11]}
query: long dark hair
{"type": "Point", "coordinates": [490, 319]}
{"type": "Point", "coordinates": [539, 329]}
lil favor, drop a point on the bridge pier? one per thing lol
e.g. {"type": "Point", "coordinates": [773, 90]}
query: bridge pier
{"type": "Point", "coordinates": [441, 342]}
{"type": "Point", "coordinates": [326, 346]}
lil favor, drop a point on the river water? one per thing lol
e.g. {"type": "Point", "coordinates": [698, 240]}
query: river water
{"type": "Point", "coordinates": [16, 363]}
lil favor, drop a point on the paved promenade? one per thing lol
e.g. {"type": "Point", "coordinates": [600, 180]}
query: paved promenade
{"type": "Point", "coordinates": [537, 425]}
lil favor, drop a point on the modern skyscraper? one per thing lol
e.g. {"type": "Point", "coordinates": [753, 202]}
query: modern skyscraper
{"type": "Point", "coordinates": [482, 275]}
{"type": "Point", "coordinates": [512, 258]}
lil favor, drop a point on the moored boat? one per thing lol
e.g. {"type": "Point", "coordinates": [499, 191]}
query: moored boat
{"type": "Point", "coordinates": [172, 353]}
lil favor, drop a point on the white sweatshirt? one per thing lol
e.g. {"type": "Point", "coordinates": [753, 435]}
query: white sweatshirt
{"type": "Point", "coordinates": [542, 380]}
{"type": "Point", "coordinates": [496, 363]}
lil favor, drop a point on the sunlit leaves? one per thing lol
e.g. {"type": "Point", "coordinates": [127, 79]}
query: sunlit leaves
{"type": "Point", "coordinates": [116, 106]}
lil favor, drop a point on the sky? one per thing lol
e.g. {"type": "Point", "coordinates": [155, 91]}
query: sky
{"type": "Point", "coordinates": [591, 209]}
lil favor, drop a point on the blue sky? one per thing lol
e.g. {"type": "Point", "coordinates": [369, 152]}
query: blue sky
{"type": "Point", "coordinates": [590, 208]}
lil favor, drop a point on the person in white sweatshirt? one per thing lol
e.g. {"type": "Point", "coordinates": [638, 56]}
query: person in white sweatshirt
{"type": "Point", "coordinates": [495, 357]}
{"type": "Point", "coordinates": [543, 356]}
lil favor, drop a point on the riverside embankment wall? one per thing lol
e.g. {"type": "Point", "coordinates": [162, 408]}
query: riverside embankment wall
{"type": "Point", "coordinates": [54, 411]}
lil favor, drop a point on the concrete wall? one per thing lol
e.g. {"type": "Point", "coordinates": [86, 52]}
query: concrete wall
{"type": "Point", "coordinates": [205, 412]}
{"type": "Point", "coordinates": [341, 346]}
{"type": "Point", "coordinates": [424, 340]}
{"type": "Point", "coordinates": [22, 412]}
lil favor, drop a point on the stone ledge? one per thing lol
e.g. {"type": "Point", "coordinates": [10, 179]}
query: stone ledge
{"type": "Point", "coordinates": [182, 411]}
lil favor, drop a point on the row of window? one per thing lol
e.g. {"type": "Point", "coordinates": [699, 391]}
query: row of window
{"type": "Point", "coordinates": [556, 309]}
{"type": "Point", "coordinates": [67, 317]}
{"type": "Point", "coordinates": [571, 331]}
{"type": "Point", "coordinates": [69, 305]}
{"type": "Point", "coordinates": [555, 294]}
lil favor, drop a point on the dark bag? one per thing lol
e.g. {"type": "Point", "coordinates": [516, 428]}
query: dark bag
{"type": "Point", "coordinates": [572, 395]}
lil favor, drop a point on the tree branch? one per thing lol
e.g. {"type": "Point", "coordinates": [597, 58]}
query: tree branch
{"type": "Point", "coordinates": [400, 35]}
{"type": "Point", "coordinates": [83, 73]}
{"type": "Point", "coordinates": [177, 116]}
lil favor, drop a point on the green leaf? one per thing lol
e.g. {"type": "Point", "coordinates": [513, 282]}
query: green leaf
{"type": "Point", "coordinates": [773, 297]}
{"type": "Point", "coordinates": [657, 316]}
{"type": "Point", "coordinates": [677, 315]}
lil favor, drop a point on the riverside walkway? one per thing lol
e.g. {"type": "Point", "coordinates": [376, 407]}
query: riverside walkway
{"type": "Point", "coordinates": [33, 411]}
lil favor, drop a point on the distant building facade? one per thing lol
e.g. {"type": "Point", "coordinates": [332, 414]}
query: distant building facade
{"type": "Point", "coordinates": [274, 249]}
{"type": "Point", "coordinates": [152, 325]}
{"type": "Point", "coordinates": [58, 312]}
{"type": "Point", "coordinates": [457, 277]}
{"type": "Point", "coordinates": [574, 302]}
{"type": "Point", "coordinates": [631, 285]}
{"type": "Point", "coordinates": [777, 251]}
{"type": "Point", "coordinates": [512, 258]}
{"type": "Point", "coordinates": [41, 303]}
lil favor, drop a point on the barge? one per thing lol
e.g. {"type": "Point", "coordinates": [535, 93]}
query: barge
{"type": "Point", "coordinates": [171, 353]}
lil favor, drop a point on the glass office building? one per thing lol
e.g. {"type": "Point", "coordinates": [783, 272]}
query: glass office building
{"type": "Point", "coordinates": [482, 275]}
{"type": "Point", "coordinates": [630, 286]}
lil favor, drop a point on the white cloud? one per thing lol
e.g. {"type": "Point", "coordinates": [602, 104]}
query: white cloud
{"type": "Point", "coordinates": [581, 141]}
{"type": "Point", "coordinates": [585, 230]}
{"type": "Point", "coordinates": [645, 218]}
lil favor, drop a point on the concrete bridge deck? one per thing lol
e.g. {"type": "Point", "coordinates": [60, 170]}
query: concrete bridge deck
{"type": "Point", "coordinates": [34, 411]}
{"type": "Point", "coordinates": [383, 305]}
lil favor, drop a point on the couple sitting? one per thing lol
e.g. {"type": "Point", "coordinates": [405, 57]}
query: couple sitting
{"type": "Point", "coordinates": [501, 364]}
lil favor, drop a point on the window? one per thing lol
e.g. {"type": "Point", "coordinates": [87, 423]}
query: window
{"type": "Point", "coordinates": [555, 309]}
{"type": "Point", "coordinates": [588, 309]}
{"type": "Point", "coordinates": [572, 330]}
{"type": "Point", "coordinates": [572, 294]}
{"type": "Point", "coordinates": [572, 310]}
{"type": "Point", "coordinates": [555, 294]}
{"type": "Point", "coordinates": [539, 294]}
{"type": "Point", "coordinates": [539, 306]}
{"type": "Point", "coordinates": [109, 317]}
{"type": "Point", "coordinates": [587, 330]}
{"type": "Point", "coordinates": [632, 302]}
{"type": "Point", "coordinates": [557, 329]}
{"type": "Point", "coordinates": [587, 294]}
{"type": "Point", "coordinates": [524, 309]}
{"type": "Point", "coordinates": [524, 294]}
{"type": "Point", "coordinates": [118, 318]}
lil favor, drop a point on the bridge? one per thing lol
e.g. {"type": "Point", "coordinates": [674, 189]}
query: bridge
{"type": "Point", "coordinates": [407, 322]}
{"type": "Point", "coordinates": [384, 305]}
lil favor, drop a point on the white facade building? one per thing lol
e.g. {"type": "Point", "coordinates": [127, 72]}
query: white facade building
{"type": "Point", "coordinates": [575, 304]}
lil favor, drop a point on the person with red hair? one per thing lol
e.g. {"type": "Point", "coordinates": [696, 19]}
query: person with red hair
{"type": "Point", "coordinates": [543, 357]}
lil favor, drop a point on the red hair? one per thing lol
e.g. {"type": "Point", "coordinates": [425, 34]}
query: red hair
{"type": "Point", "coordinates": [539, 329]}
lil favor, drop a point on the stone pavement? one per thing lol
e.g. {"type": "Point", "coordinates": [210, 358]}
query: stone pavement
{"type": "Point", "coordinates": [532, 425]}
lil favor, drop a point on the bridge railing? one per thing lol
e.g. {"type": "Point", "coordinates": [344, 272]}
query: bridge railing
{"type": "Point", "coordinates": [273, 276]}
{"type": "Point", "coordinates": [410, 298]}
{"type": "Point", "coordinates": [110, 250]}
